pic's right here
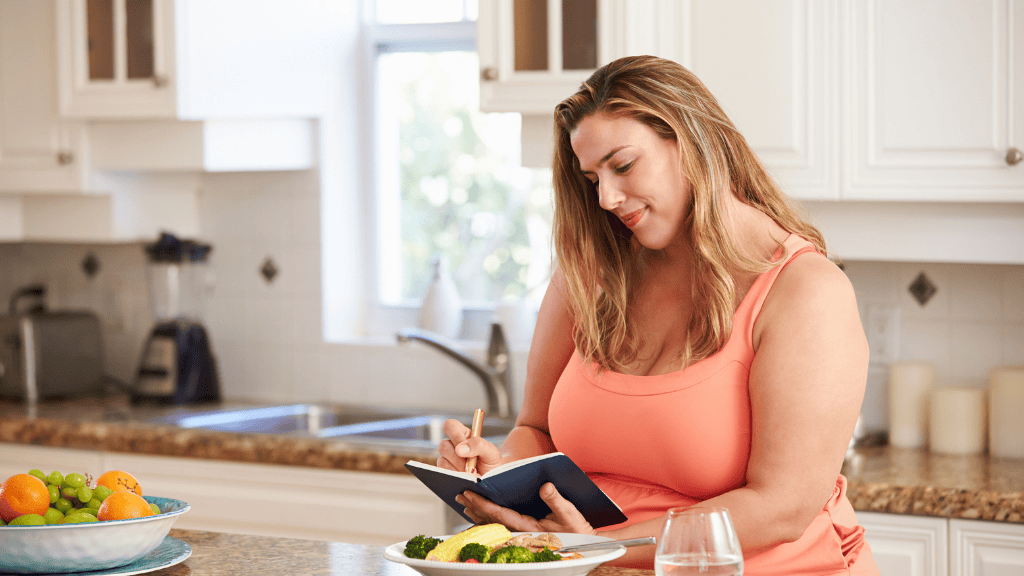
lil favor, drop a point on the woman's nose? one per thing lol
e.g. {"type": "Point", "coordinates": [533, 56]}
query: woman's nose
{"type": "Point", "coordinates": [609, 196]}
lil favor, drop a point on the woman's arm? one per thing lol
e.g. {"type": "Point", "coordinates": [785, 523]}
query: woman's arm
{"type": "Point", "coordinates": [806, 386]}
{"type": "Point", "coordinates": [550, 350]}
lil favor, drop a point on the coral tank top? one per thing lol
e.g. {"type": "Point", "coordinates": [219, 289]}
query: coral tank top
{"type": "Point", "coordinates": [695, 425]}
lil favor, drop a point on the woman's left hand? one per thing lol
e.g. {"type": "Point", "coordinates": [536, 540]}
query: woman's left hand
{"type": "Point", "coordinates": [564, 516]}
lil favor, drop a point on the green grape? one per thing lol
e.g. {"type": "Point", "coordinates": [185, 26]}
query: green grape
{"type": "Point", "coordinates": [101, 492]}
{"type": "Point", "coordinates": [84, 494]}
{"type": "Point", "coordinates": [28, 520]}
{"type": "Point", "coordinates": [62, 504]}
{"type": "Point", "coordinates": [2, 523]}
{"type": "Point", "coordinates": [156, 509]}
{"type": "Point", "coordinates": [86, 511]}
{"type": "Point", "coordinates": [53, 516]}
{"type": "Point", "coordinates": [75, 480]}
{"type": "Point", "coordinates": [69, 492]}
{"type": "Point", "coordinates": [38, 474]}
{"type": "Point", "coordinates": [55, 478]}
{"type": "Point", "coordinates": [54, 492]}
{"type": "Point", "coordinates": [93, 504]}
{"type": "Point", "coordinates": [78, 518]}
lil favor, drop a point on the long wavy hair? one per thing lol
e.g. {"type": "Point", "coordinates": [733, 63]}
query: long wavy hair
{"type": "Point", "coordinates": [602, 263]}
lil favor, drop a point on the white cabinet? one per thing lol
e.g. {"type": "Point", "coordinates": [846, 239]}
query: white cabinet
{"type": "Point", "coordinates": [907, 545]}
{"type": "Point", "coordinates": [260, 499]}
{"type": "Point", "coordinates": [39, 151]}
{"type": "Point", "coordinates": [191, 59]}
{"type": "Point", "coordinates": [986, 548]}
{"type": "Point", "coordinates": [935, 100]}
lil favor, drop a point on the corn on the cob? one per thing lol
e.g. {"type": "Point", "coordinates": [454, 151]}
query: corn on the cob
{"type": "Point", "coordinates": [487, 534]}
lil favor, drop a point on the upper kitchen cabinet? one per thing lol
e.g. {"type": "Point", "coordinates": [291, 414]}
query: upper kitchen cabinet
{"type": "Point", "coordinates": [190, 59]}
{"type": "Point", "coordinates": [934, 104]}
{"type": "Point", "coordinates": [39, 151]}
{"type": "Point", "coordinates": [770, 65]}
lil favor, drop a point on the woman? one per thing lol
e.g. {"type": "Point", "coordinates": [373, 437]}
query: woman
{"type": "Point", "coordinates": [695, 345]}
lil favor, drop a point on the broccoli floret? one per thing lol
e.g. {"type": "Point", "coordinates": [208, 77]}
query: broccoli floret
{"type": "Point", "coordinates": [478, 552]}
{"type": "Point", "coordinates": [420, 546]}
{"type": "Point", "coordinates": [545, 555]}
{"type": "Point", "coordinates": [511, 555]}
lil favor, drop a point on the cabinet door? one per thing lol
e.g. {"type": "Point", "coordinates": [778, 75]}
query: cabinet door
{"type": "Point", "coordinates": [907, 545]}
{"type": "Point", "coordinates": [771, 67]}
{"type": "Point", "coordinates": [19, 459]}
{"type": "Point", "coordinates": [38, 151]}
{"type": "Point", "coordinates": [116, 58]}
{"type": "Point", "coordinates": [986, 548]}
{"type": "Point", "coordinates": [934, 100]}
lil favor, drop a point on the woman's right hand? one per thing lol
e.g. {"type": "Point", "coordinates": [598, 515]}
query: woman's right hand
{"type": "Point", "coordinates": [459, 447]}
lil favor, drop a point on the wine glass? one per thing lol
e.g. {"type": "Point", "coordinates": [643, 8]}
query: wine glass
{"type": "Point", "coordinates": [698, 540]}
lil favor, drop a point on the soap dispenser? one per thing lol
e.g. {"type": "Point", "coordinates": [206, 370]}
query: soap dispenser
{"type": "Point", "coordinates": [441, 311]}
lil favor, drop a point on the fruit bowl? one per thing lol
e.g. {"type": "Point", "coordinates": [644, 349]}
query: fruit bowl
{"type": "Point", "coordinates": [88, 546]}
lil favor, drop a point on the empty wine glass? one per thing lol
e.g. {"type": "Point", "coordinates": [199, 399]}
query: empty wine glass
{"type": "Point", "coordinates": [698, 541]}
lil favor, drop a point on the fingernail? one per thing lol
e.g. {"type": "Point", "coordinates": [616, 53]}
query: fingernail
{"type": "Point", "coordinates": [462, 450]}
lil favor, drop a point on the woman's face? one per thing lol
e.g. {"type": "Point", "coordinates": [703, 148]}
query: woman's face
{"type": "Point", "coordinates": [638, 176]}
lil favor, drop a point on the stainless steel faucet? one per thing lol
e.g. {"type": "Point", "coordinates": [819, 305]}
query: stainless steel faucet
{"type": "Point", "coordinates": [496, 376]}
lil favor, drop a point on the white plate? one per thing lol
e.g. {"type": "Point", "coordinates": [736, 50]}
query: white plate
{"type": "Point", "coordinates": [590, 560]}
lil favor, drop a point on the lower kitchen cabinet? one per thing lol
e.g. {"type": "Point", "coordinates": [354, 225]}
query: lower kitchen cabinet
{"type": "Point", "coordinates": [979, 548]}
{"type": "Point", "coordinates": [266, 500]}
{"type": "Point", "coordinates": [907, 545]}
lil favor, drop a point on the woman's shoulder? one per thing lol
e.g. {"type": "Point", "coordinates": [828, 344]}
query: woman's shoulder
{"type": "Point", "coordinates": [809, 290]}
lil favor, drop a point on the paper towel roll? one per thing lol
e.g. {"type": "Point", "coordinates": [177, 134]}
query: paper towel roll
{"type": "Point", "coordinates": [957, 421]}
{"type": "Point", "coordinates": [1006, 412]}
{"type": "Point", "coordinates": [909, 386]}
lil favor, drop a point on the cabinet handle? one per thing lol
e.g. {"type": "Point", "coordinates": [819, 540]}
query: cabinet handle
{"type": "Point", "coordinates": [489, 74]}
{"type": "Point", "coordinates": [64, 158]}
{"type": "Point", "coordinates": [1014, 156]}
{"type": "Point", "coordinates": [159, 81]}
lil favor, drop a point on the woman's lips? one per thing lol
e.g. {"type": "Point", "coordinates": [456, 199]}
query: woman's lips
{"type": "Point", "coordinates": [632, 218]}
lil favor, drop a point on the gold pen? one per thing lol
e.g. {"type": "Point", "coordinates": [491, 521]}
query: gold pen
{"type": "Point", "coordinates": [474, 432]}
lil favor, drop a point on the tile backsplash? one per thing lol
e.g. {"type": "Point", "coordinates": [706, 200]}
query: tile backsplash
{"type": "Point", "coordinates": [267, 336]}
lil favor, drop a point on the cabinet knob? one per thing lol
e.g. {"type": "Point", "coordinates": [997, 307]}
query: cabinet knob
{"type": "Point", "coordinates": [489, 73]}
{"type": "Point", "coordinates": [159, 81]}
{"type": "Point", "coordinates": [1014, 156]}
{"type": "Point", "coordinates": [64, 158]}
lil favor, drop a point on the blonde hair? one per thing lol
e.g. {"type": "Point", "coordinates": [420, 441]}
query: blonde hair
{"type": "Point", "coordinates": [602, 264]}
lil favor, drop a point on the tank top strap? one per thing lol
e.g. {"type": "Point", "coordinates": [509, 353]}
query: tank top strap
{"type": "Point", "coordinates": [750, 307]}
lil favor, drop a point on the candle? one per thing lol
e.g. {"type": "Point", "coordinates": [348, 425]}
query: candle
{"type": "Point", "coordinates": [909, 386]}
{"type": "Point", "coordinates": [957, 421]}
{"type": "Point", "coordinates": [1006, 412]}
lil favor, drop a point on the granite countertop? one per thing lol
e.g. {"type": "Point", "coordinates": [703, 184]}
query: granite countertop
{"type": "Point", "coordinates": [880, 478]}
{"type": "Point", "coordinates": [217, 554]}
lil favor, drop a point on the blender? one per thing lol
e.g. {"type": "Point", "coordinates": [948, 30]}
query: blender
{"type": "Point", "coordinates": [177, 364]}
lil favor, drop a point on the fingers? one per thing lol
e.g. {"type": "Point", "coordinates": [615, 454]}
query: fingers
{"type": "Point", "coordinates": [564, 516]}
{"type": "Point", "coordinates": [483, 511]}
{"type": "Point", "coordinates": [459, 447]}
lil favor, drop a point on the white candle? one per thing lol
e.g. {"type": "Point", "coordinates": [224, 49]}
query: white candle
{"type": "Point", "coordinates": [1006, 412]}
{"type": "Point", "coordinates": [909, 386]}
{"type": "Point", "coordinates": [957, 421]}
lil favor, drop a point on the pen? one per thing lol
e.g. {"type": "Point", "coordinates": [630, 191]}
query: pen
{"type": "Point", "coordinates": [474, 432]}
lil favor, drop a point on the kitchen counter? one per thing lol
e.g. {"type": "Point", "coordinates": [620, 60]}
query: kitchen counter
{"type": "Point", "coordinates": [881, 479]}
{"type": "Point", "coordinates": [217, 554]}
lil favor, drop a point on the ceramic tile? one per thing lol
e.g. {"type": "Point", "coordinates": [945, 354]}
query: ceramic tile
{"type": "Point", "coordinates": [978, 348]}
{"type": "Point", "coordinates": [929, 341]}
{"type": "Point", "coordinates": [1013, 344]}
{"type": "Point", "coordinates": [307, 322]}
{"type": "Point", "coordinates": [308, 377]}
{"type": "Point", "coordinates": [975, 292]}
{"type": "Point", "coordinates": [938, 306]}
{"type": "Point", "coordinates": [1013, 294]}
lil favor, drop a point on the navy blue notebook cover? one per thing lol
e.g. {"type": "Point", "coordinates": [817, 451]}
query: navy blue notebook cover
{"type": "Point", "coordinates": [516, 485]}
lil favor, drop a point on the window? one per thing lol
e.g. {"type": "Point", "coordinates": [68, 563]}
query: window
{"type": "Point", "coordinates": [448, 178]}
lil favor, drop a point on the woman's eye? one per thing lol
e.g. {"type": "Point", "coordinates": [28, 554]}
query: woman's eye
{"type": "Point", "coordinates": [622, 169]}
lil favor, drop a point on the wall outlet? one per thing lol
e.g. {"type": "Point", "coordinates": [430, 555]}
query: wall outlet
{"type": "Point", "coordinates": [883, 332]}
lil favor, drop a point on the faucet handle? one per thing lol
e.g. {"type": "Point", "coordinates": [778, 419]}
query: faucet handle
{"type": "Point", "coordinates": [497, 348]}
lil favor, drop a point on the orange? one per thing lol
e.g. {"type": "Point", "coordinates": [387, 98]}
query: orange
{"type": "Point", "coordinates": [123, 505]}
{"type": "Point", "coordinates": [23, 494]}
{"type": "Point", "coordinates": [119, 481]}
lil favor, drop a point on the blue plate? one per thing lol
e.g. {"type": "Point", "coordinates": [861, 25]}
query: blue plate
{"type": "Point", "coordinates": [170, 552]}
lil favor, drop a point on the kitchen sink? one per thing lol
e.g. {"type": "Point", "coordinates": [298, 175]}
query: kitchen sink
{"type": "Point", "coordinates": [413, 427]}
{"type": "Point", "coordinates": [294, 418]}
